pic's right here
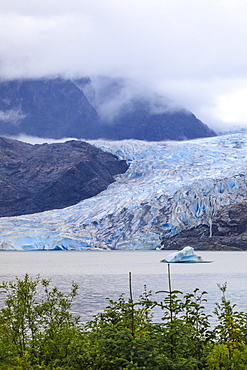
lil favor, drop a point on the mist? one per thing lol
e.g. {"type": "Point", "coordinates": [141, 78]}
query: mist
{"type": "Point", "coordinates": [111, 95]}
{"type": "Point", "coordinates": [191, 54]}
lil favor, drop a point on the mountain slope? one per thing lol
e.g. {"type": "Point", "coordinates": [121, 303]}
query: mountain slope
{"type": "Point", "coordinates": [169, 187]}
{"type": "Point", "coordinates": [52, 108]}
{"type": "Point", "coordinates": [36, 178]}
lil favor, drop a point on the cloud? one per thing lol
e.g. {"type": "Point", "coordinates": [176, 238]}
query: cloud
{"type": "Point", "coordinates": [38, 140]}
{"type": "Point", "coordinates": [114, 94]}
{"type": "Point", "coordinates": [13, 116]}
{"type": "Point", "coordinates": [191, 51]}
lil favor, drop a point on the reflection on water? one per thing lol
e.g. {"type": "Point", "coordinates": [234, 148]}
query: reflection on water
{"type": "Point", "coordinates": [105, 274]}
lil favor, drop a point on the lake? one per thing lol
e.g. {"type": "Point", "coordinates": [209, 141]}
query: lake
{"type": "Point", "coordinates": [102, 274]}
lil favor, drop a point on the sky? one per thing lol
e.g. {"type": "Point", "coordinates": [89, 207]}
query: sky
{"type": "Point", "coordinates": [191, 51]}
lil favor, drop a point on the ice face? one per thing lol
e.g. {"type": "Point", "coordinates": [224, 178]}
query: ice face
{"type": "Point", "coordinates": [169, 187]}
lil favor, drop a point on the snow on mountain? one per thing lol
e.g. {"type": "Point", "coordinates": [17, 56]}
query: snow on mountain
{"type": "Point", "coordinates": [169, 187]}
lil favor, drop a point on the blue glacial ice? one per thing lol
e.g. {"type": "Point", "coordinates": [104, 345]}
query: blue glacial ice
{"type": "Point", "coordinates": [186, 255]}
{"type": "Point", "coordinates": [169, 187]}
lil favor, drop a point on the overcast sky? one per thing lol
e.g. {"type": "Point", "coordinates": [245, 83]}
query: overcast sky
{"type": "Point", "coordinates": [192, 51]}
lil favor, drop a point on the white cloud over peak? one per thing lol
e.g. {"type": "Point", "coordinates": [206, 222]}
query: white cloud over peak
{"type": "Point", "coordinates": [191, 51]}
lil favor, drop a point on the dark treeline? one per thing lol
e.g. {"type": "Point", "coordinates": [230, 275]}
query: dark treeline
{"type": "Point", "coordinates": [38, 331]}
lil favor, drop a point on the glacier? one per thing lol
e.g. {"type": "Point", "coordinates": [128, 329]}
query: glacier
{"type": "Point", "coordinates": [168, 187]}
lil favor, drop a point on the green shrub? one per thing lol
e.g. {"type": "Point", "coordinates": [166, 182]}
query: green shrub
{"type": "Point", "coordinates": [36, 328]}
{"type": "Point", "coordinates": [37, 332]}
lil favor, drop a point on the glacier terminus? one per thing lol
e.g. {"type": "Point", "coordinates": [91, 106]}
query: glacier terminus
{"type": "Point", "coordinates": [169, 187]}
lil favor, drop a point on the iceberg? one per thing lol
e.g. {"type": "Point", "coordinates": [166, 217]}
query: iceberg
{"type": "Point", "coordinates": [186, 255]}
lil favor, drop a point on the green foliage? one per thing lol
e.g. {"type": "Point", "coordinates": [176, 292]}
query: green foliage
{"type": "Point", "coordinates": [37, 332]}
{"type": "Point", "coordinates": [124, 335]}
{"type": "Point", "coordinates": [230, 349]}
{"type": "Point", "coordinates": [185, 332]}
{"type": "Point", "coordinates": [232, 325]}
{"type": "Point", "coordinates": [224, 358]}
{"type": "Point", "coordinates": [36, 327]}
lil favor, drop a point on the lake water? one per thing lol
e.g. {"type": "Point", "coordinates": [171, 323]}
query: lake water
{"type": "Point", "coordinates": [105, 274]}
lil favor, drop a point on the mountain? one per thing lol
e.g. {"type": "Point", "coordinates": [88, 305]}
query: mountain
{"type": "Point", "coordinates": [51, 108]}
{"type": "Point", "coordinates": [36, 178]}
{"type": "Point", "coordinates": [169, 188]}
{"type": "Point", "coordinates": [129, 112]}
{"type": "Point", "coordinates": [57, 108]}
{"type": "Point", "coordinates": [136, 122]}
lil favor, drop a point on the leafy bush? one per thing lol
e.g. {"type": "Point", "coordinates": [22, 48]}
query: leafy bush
{"type": "Point", "coordinates": [36, 327]}
{"type": "Point", "coordinates": [37, 331]}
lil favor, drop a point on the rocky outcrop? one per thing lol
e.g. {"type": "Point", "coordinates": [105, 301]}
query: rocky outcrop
{"type": "Point", "coordinates": [58, 108]}
{"type": "Point", "coordinates": [229, 231]}
{"type": "Point", "coordinates": [36, 178]}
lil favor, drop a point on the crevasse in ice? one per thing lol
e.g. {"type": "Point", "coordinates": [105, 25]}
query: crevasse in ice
{"type": "Point", "coordinates": [169, 187]}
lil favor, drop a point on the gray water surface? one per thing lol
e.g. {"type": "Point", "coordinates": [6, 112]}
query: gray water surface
{"type": "Point", "coordinates": [105, 274]}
